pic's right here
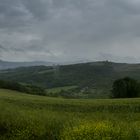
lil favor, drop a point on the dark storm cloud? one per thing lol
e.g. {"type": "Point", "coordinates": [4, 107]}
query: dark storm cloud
{"type": "Point", "coordinates": [65, 30]}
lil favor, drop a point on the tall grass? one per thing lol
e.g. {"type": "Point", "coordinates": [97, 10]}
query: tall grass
{"type": "Point", "coordinates": [27, 117]}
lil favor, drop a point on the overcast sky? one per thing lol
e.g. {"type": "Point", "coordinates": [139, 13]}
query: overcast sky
{"type": "Point", "coordinates": [70, 30]}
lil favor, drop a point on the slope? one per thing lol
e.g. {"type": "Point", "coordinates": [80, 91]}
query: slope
{"type": "Point", "coordinates": [94, 75]}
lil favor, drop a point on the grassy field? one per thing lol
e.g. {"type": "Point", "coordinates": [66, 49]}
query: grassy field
{"type": "Point", "coordinates": [58, 89]}
{"type": "Point", "coordinates": [57, 92]}
{"type": "Point", "coordinates": [28, 117]}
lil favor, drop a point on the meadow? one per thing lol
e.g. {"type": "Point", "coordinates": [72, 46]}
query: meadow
{"type": "Point", "coordinates": [31, 117]}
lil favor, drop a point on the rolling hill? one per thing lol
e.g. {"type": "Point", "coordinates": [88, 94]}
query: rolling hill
{"type": "Point", "coordinates": [93, 77]}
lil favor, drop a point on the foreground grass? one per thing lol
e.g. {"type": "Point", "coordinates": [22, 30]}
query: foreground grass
{"type": "Point", "coordinates": [27, 117]}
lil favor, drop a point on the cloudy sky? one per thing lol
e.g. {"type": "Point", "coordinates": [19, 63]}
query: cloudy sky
{"type": "Point", "coordinates": [70, 30]}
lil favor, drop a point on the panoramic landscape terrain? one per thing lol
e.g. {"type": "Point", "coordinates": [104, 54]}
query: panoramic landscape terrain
{"type": "Point", "coordinates": [84, 80]}
{"type": "Point", "coordinates": [69, 102]}
{"type": "Point", "coordinates": [69, 70]}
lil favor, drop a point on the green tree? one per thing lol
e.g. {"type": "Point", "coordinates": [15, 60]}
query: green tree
{"type": "Point", "coordinates": [125, 88]}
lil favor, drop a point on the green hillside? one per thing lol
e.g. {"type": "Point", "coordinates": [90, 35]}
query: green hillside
{"type": "Point", "coordinates": [31, 117]}
{"type": "Point", "coordinates": [95, 78]}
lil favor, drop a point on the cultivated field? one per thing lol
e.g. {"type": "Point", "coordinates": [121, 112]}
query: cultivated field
{"type": "Point", "coordinates": [27, 117]}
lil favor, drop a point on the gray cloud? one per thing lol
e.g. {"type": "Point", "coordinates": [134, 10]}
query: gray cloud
{"type": "Point", "coordinates": [2, 48]}
{"type": "Point", "coordinates": [67, 30]}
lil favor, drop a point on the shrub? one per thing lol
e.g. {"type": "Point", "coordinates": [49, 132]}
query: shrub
{"type": "Point", "coordinates": [31, 89]}
{"type": "Point", "coordinates": [125, 88]}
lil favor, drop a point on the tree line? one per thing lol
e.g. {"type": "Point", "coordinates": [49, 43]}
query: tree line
{"type": "Point", "coordinates": [30, 89]}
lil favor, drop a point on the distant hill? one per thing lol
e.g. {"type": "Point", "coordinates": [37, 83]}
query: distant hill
{"type": "Point", "coordinates": [93, 77]}
{"type": "Point", "coordinates": [11, 65]}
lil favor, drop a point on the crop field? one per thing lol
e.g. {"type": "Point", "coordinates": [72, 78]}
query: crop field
{"type": "Point", "coordinates": [28, 117]}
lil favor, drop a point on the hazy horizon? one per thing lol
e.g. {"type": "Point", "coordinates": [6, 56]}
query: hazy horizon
{"type": "Point", "coordinates": [70, 30]}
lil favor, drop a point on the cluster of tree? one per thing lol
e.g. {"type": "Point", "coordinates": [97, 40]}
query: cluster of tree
{"type": "Point", "coordinates": [30, 89]}
{"type": "Point", "coordinates": [126, 88]}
